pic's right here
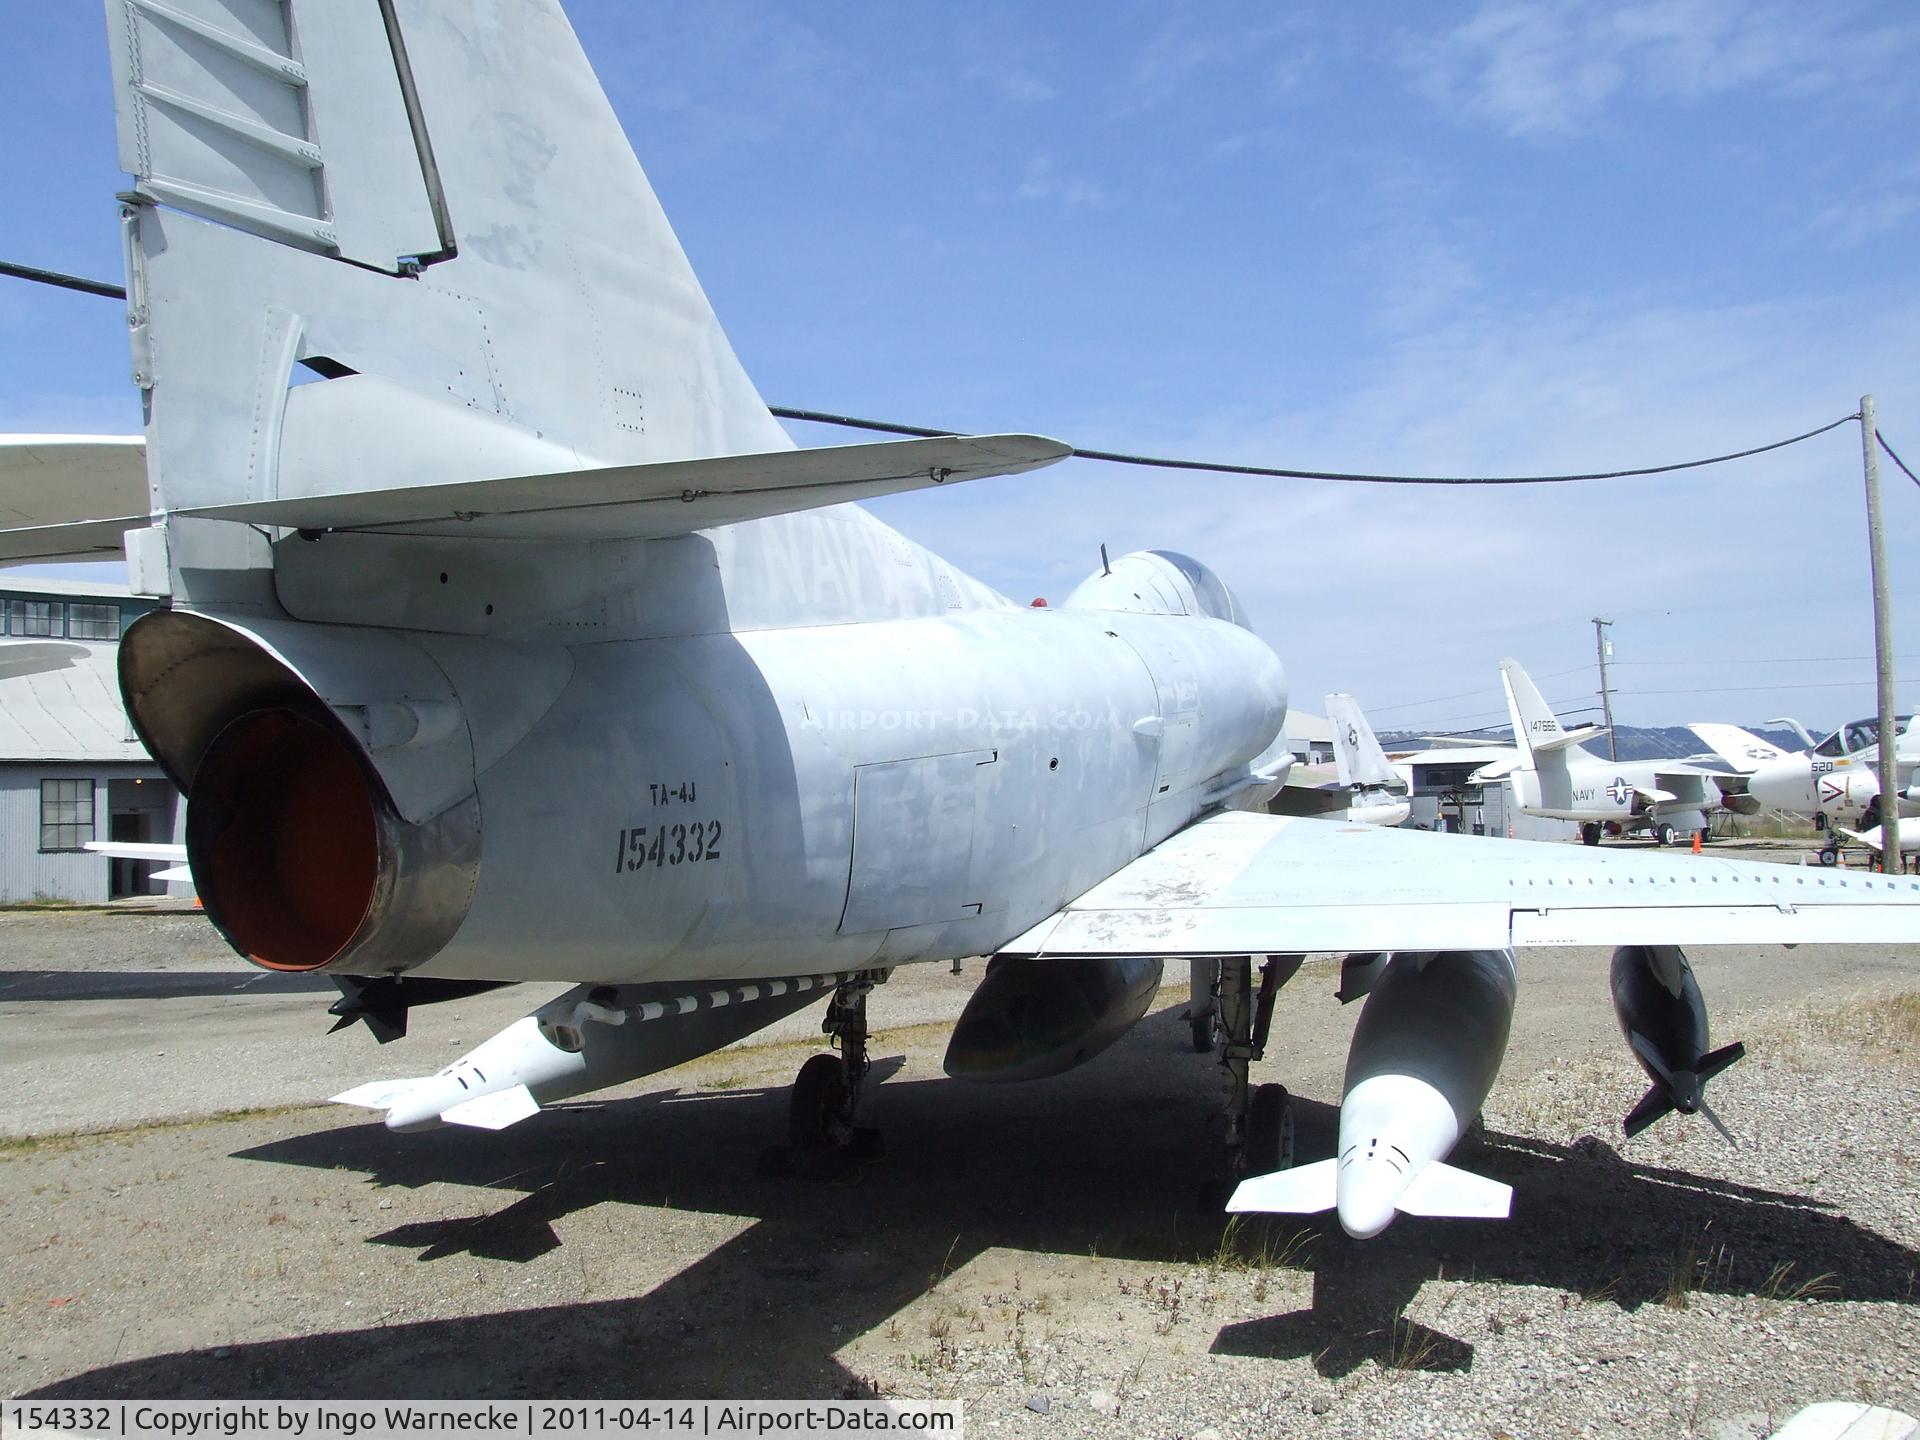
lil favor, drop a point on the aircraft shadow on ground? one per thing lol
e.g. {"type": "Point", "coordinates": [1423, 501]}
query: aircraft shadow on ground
{"type": "Point", "coordinates": [1107, 1161]}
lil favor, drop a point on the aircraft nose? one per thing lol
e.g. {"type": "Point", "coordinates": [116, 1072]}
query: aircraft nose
{"type": "Point", "coordinates": [1368, 1189]}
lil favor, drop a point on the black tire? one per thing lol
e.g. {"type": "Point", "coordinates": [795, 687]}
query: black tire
{"type": "Point", "coordinates": [1829, 855]}
{"type": "Point", "coordinates": [1590, 833]}
{"type": "Point", "coordinates": [1205, 1030]}
{"type": "Point", "coordinates": [819, 1108]}
{"type": "Point", "coordinates": [1269, 1131]}
{"type": "Point", "coordinates": [1663, 834]}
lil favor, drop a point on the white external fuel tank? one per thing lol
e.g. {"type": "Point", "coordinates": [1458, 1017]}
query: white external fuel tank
{"type": "Point", "coordinates": [1424, 1055]}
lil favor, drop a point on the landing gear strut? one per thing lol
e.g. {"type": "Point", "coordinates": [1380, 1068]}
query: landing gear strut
{"type": "Point", "coordinates": [1259, 1119]}
{"type": "Point", "coordinates": [823, 1112]}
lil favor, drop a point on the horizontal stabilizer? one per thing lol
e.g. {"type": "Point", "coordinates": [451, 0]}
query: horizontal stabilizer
{"type": "Point", "coordinates": [1446, 1191]}
{"type": "Point", "coordinates": [174, 875]}
{"type": "Point", "coordinates": [376, 1094]}
{"type": "Point", "coordinates": [656, 500]}
{"type": "Point", "coordinates": [69, 497]}
{"type": "Point", "coordinates": [1570, 737]}
{"type": "Point", "coordinates": [1303, 1190]}
{"type": "Point", "coordinates": [496, 1111]}
{"type": "Point", "coordinates": [609, 502]}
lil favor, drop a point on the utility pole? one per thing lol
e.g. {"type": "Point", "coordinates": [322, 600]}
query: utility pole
{"type": "Point", "coordinates": [1890, 859]}
{"type": "Point", "coordinates": [1606, 696]}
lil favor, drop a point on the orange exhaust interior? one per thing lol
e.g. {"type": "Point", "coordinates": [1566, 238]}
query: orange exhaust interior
{"type": "Point", "coordinates": [283, 840]}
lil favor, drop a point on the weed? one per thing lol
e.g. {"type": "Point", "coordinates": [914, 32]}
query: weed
{"type": "Point", "coordinates": [946, 1268]}
{"type": "Point", "coordinates": [1696, 1266]}
{"type": "Point", "coordinates": [1410, 1346]}
{"type": "Point", "coordinates": [1782, 1288]}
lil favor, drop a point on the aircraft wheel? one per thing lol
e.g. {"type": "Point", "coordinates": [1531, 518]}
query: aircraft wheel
{"type": "Point", "coordinates": [1829, 855]}
{"type": "Point", "coordinates": [1590, 833]}
{"type": "Point", "coordinates": [1205, 1030]}
{"type": "Point", "coordinates": [1663, 835]}
{"type": "Point", "coordinates": [1269, 1131]}
{"type": "Point", "coordinates": [821, 1108]}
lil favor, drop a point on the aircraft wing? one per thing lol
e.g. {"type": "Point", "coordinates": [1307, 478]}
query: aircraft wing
{"type": "Point", "coordinates": [55, 488]}
{"type": "Point", "coordinates": [1741, 749]}
{"type": "Point", "coordinates": [1244, 884]}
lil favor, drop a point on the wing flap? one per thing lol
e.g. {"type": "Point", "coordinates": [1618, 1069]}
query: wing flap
{"type": "Point", "coordinates": [1245, 884]}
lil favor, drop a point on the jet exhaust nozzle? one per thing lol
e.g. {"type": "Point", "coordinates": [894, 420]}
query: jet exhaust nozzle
{"type": "Point", "coordinates": [300, 853]}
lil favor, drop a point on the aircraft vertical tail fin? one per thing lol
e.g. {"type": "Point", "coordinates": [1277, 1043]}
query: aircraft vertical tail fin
{"type": "Point", "coordinates": [1357, 756]}
{"type": "Point", "coordinates": [1536, 730]}
{"type": "Point", "coordinates": [396, 219]}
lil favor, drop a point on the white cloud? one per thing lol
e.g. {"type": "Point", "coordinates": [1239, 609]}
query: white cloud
{"type": "Point", "coordinates": [1538, 71]}
{"type": "Point", "coordinates": [1043, 181]}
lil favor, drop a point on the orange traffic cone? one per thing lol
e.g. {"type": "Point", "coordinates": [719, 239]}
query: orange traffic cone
{"type": "Point", "coordinates": [1696, 840]}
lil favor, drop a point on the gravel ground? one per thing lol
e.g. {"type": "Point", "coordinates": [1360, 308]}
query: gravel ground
{"type": "Point", "coordinates": [1016, 1246]}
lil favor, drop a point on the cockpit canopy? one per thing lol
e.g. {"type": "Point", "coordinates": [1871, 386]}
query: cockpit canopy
{"type": "Point", "coordinates": [1857, 735]}
{"type": "Point", "coordinates": [1159, 582]}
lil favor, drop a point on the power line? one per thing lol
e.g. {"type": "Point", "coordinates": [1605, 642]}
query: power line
{"type": "Point", "coordinates": [1881, 437]}
{"type": "Point", "coordinates": [65, 282]}
{"type": "Point", "coordinates": [1158, 462]}
{"type": "Point", "coordinates": [1114, 457]}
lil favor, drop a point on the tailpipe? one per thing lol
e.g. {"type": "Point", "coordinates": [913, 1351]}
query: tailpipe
{"type": "Point", "coordinates": [332, 819]}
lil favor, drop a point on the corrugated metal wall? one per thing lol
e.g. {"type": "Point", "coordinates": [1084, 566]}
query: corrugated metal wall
{"type": "Point", "coordinates": [26, 873]}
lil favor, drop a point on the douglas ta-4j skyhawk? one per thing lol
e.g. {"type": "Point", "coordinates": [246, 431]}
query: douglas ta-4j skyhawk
{"type": "Point", "coordinates": [511, 639]}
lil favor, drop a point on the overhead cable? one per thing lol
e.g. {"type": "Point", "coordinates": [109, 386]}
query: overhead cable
{"type": "Point", "coordinates": [1156, 462]}
{"type": "Point", "coordinates": [1893, 457]}
{"type": "Point", "coordinates": [820, 417]}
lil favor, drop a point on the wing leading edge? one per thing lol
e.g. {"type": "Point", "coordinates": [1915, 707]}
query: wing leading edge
{"type": "Point", "coordinates": [1241, 884]}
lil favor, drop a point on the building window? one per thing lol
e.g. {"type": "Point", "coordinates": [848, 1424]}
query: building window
{"type": "Point", "coordinates": [66, 814]}
{"type": "Point", "coordinates": [38, 617]}
{"type": "Point", "coordinates": [93, 622]}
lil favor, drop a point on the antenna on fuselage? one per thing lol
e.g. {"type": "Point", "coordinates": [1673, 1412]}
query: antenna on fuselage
{"type": "Point", "coordinates": [1105, 568]}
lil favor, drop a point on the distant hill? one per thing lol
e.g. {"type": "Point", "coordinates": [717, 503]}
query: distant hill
{"type": "Point", "coordinates": [1635, 742]}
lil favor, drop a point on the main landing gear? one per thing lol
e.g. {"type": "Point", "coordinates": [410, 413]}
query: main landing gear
{"type": "Point", "coordinates": [1259, 1118]}
{"type": "Point", "coordinates": [823, 1111]}
{"type": "Point", "coordinates": [1590, 833]}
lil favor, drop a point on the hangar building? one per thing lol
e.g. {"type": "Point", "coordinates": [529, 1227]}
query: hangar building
{"type": "Point", "coordinates": [71, 767]}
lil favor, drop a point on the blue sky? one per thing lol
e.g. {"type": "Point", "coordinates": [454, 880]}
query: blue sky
{"type": "Point", "coordinates": [1507, 238]}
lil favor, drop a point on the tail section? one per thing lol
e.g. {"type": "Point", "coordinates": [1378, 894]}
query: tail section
{"type": "Point", "coordinates": [1357, 756]}
{"type": "Point", "coordinates": [1536, 730]}
{"type": "Point", "coordinates": [419, 218]}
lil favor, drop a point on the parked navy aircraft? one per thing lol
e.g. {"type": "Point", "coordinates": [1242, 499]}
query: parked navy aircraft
{"type": "Point", "coordinates": [1378, 790]}
{"type": "Point", "coordinates": [1833, 782]}
{"type": "Point", "coordinates": [525, 572]}
{"type": "Point", "coordinates": [1559, 777]}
